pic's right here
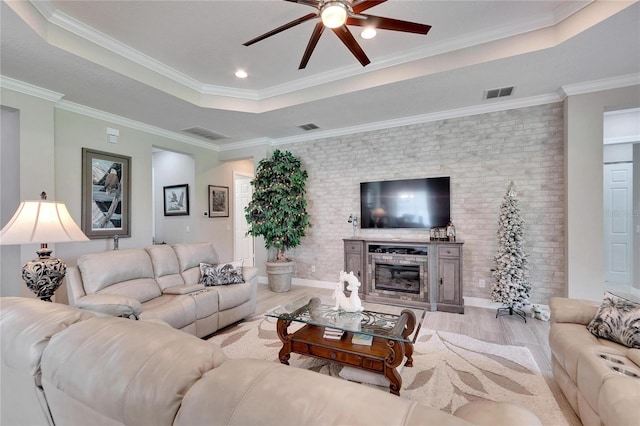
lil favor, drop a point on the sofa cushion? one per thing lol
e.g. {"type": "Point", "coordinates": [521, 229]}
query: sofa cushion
{"type": "Point", "coordinates": [26, 325]}
{"type": "Point", "coordinates": [566, 341]}
{"type": "Point", "coordinates": [165, 266]}
{"type": "Point", "coordinates": [131, 372]}
{"type": "Point", "coordinates": [222, 274]}
{"type": "Point", "coordinates": [177, 311]}
{"type": "Point", "coordinates": [231, 296]}
{"type": "Point", "coordinates": [618, 404]}
{"type": "Point", "coordinates": [122, 272]}
{"type": "Point", "coordinates": [258, 392]}
{"type": "Point", "coordinates": [190, 256]}
{"type": "Point", "coordinates": [618, 320]}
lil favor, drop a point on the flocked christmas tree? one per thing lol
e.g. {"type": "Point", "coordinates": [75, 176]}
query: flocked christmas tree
{"type": "Point", "coordinates": [511, 286]}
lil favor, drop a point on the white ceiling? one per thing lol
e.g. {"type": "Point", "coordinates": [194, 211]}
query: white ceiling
{"type": "Point", "coordinates": [171, 64]}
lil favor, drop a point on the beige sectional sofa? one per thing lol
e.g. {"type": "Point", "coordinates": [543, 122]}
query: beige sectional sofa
{"type": "Point", "coordinates": [161, 282]}
{"type": "Point", "coordinates": [65, 366]}
{"type": "Point", "coordinates": [600, 378]}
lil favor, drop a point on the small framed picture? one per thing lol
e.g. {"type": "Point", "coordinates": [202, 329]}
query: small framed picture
{"type": "Point", "coordinates": [176, 200]}
{"type": "Point", "coordinates": [218, 201]}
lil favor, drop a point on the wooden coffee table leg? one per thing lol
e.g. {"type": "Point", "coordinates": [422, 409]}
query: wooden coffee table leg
{"type": "Point", "coordinates": [281, 328]}
{"type": "Point", "coordinates": [392, 361]}
{"type": "Point", "coordinates": [411, 325]}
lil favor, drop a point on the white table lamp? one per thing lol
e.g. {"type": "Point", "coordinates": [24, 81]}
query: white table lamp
{"type": "Point", "coordinates": [35, 222]}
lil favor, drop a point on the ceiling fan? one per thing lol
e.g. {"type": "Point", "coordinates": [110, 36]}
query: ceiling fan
{"type": "Point", "coordinates": [336, 15]}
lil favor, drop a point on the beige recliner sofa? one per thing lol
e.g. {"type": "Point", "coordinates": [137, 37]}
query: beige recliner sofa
{"type": "Point", "coordinates": [161, 282]}
{"type": "Point", "coordinates": [64, 366]}
{"type": "Point", "coordinates": [599, 378]}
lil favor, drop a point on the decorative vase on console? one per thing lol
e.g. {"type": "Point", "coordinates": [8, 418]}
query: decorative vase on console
{"type": "Point", "coordinates": [451, 231]}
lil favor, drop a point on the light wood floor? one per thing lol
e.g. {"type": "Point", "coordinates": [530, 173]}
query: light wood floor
{"type": "Point", "coordinates": [479, 323]}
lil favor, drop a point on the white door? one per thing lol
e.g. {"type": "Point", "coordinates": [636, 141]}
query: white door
{"type": "Point", "coordinates": [618, 222]}
{"type": "Point", "coordinates": [243, 244]}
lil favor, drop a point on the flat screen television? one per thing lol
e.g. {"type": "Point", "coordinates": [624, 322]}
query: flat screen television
{"type": "Point", "coordinates": [406, 203]}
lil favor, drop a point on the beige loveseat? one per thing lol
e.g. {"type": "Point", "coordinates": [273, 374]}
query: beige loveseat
{"type": "Point", "coordinates": [65, 366]}
{"type": "Point", "coordinates": [600, 378]}
{"type": "Point", "coordinates": [161, 282]}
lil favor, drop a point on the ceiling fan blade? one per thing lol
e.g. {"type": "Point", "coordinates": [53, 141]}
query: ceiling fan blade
{"type": "Point", "coordinates": [347, 38]}
{"type": "Point", "coordinates": [281, 28]}
{"type": "Point", "coordinates": [362, 5]}
{"type": "Point", "coordinates": [312, 3]}
{"type": "Point", "coordinates": [315, 36]}
{"type": "Point", "coordinates": [388, 24]}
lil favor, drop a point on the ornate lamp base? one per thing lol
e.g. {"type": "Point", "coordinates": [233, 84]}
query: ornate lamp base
{"type": "Point", "coordinates": [44, 275]}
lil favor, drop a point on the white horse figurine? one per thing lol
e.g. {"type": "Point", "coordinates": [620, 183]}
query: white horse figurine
{"type": "Point", "coordinates": [351, 303]}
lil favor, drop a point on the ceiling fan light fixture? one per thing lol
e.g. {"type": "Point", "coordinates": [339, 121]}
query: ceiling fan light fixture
{"type": "Point", "coordinates": [368, 33]}
{"type": "Point", "coordinates": [333, 14]}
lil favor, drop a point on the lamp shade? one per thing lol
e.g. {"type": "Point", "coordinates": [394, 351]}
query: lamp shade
{"type": "Point", "coordinates": [41, 222]}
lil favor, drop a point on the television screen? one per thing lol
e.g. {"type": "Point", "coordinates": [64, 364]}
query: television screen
{"type": "Point", "coordinates": [407, 203]}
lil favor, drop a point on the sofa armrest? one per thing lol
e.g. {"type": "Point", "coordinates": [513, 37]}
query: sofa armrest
{"type": "Point", "coordinates": [75, 289]}
{"type": "Point", "coordinates": [110, 304]}
{"type": "Point", "coordinates": [183, 289]}
{"type": "Point", "coordinates": [574, 311]}
{"type": "Point", "coordinates": [249, 273]}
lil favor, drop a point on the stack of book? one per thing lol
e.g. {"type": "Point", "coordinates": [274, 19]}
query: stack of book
{"type": "Point", "coordinates": [333, 333]}
{"type": "Point", "coordinates": [362, 339]}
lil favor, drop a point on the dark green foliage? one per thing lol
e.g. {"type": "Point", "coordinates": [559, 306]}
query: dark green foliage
{"type": "Point", "coordinates": [278, 209]}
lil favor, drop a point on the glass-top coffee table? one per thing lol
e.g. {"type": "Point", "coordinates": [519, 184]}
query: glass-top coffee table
{"type": "Point", "coordinates": [327, 334]}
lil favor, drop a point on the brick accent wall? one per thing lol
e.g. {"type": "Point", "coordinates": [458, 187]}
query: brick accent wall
{"type": "Point", "coordinates": [482, 154]}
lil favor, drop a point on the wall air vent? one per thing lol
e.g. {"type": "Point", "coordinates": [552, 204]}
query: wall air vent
{"type": "Point", "coordinates": [498, 93]}
{"type": "Point", "coordinates": [309, 126]}
{"type": "Point", "coordinates": [204, 133]}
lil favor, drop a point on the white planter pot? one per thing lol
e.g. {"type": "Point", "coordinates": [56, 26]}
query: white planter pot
{"type": "Point", "coordinates": [279, 275]}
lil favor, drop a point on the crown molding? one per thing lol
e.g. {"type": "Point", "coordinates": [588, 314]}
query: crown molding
{"type": "Point", "coordinates": [116, 119]}
{"type": "Point", "coordinates": [29, 89]}
{"type": "Point", "coordinates": [425, 118]}
{"type": "Point", "coordinates": [623, 111]}
{"type": "Point", "coordinates": [246, 144]}
{"type": "Point", "coordinates": [49, 12]}
{"type": "Point", "coordinates": [599, 85]}
{"type": "Point", "coordinates": [622, 139]}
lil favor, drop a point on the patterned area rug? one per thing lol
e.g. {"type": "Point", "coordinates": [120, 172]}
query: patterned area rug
{"type": "Point", "coordinates": [448, 370]}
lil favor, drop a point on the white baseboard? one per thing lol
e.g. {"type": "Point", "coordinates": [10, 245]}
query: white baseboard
{"type": "Point", "coordinates": [480, 302]}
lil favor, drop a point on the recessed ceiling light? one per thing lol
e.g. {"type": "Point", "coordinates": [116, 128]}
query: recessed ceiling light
{"type": "Point", "coordinates": [241, 74]}
{"type": "Point", "coordinates": [368, 33]}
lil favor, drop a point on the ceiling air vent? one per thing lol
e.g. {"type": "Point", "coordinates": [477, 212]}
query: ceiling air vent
{"type": "Point", "coordinates": [498, 93]}
{"type": "Point", "coordinates": [309, 126]}
{"type": "Point", "coordinates": [204, 133]}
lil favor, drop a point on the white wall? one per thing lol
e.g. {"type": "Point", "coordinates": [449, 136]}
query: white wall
{"type": "Point", "coordinates": [636, 215]}
{"type": "Point", "coordinates": [51, 142]}
{"type": "Point", "coordinates": [583, 119]}
{"type": "Point", "coordinates": [34, 174]}
{"type": "Point", "coordinates": [172, 168]}
{"type": "Point", "coordinates": [223, 176]}
{"type": "Point", "coordinates": [482, 154]}
{"type": "Point", "coordinates": [10, 196]}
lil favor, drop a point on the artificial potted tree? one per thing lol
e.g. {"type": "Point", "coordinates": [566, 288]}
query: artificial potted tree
{"type": "Point", "coordinates": [278, 213]}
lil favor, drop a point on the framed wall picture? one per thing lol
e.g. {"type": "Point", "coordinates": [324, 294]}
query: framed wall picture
{"type": "Point", "coordinates": [218, 201]}
{"type": "Point", "coordinates": [176, 200]}
{"type": "Point", "coordinates": [106, 194]}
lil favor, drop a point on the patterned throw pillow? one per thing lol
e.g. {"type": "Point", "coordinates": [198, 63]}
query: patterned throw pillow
{"type": "Point", "coordinates": [618, 320]}
{"type": "Point", "coordinates": [222, 274]}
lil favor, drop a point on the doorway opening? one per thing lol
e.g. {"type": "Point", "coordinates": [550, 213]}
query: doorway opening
{"type": "Point", "coordinates": [243, 244]}
{"type": "Point", "coordinates": [621, 189]}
